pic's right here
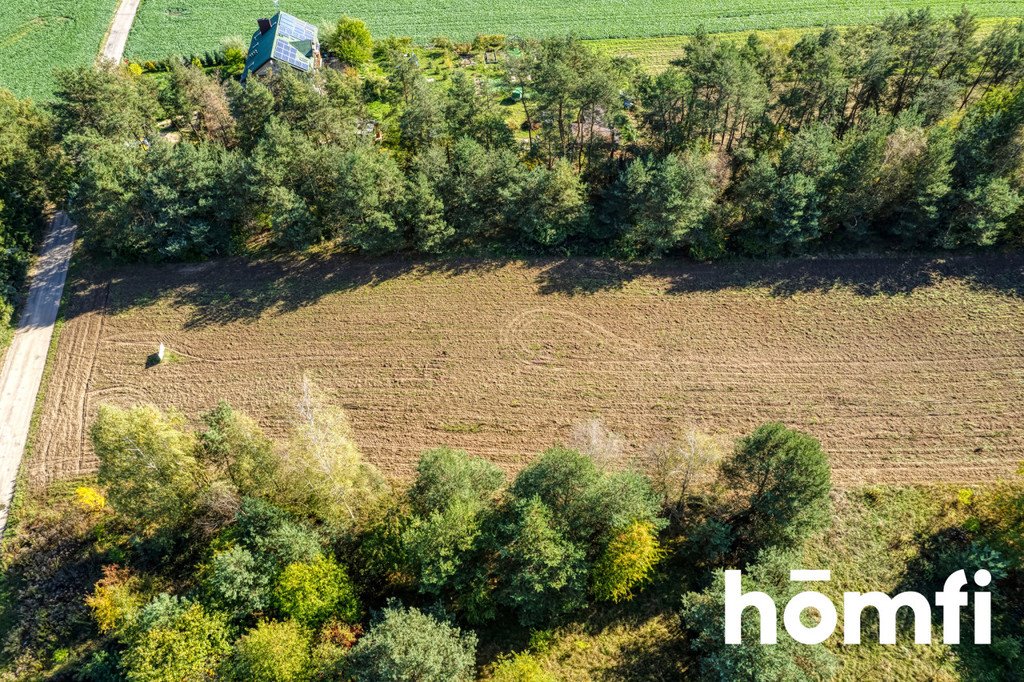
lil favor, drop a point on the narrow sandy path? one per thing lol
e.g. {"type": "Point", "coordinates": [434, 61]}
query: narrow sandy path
{"type": "Point", "coordinates": [117, 36]}
{"type": "Point", "coordinates": [25, 361]}
{"type": "Point", "coordinates": [23, 365]}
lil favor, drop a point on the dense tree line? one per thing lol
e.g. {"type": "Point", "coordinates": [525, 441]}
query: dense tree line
{"type": "Point", "coordinates": [225, 554]}
{"type": "Point", "coordinates": [256, 560]}
{"type": "Point", "coordinates": [27, 163]}
{"type": "Point", "coordinates": [902, 134]}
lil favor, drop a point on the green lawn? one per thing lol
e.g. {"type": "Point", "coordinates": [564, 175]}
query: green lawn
{"type": "Point", "coordinates": [187, 26]}
{"type": "Point", "coordinates": [38, 36]}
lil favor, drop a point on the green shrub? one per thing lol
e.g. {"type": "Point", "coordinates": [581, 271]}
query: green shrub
{"type": "Point", "coordinates": [406, 644]}
{"type": "Point", "coordinates": [628, 497]}
{"type": "Point", "coordinates": [235, 583]}
{"type": "Point", "coordinates": [175, 640]}
{"type": "Point", "coordinates": [233, 52]}
{"type": "Point", "coordinates": [444, 476]}
{"type": "Point", "coordinates": [101, 666]}
{"type": "Point", "coordinates": [350, 41]}
{"type": "Point", "coordinates": [437, 547]}
{"type": "Point", "coordinates": [13, 267]}
{"type": "Point", "coordinates": [442, 44]}
{"type": "Point", "coordinates": [449, 498]}
{"type": "Point", "coordinates": [6, 313]}
{"type": "Point", "coordinates": [273, 537]}
{"type": "Point", "coordinates": [234, 445]}
{"type": "Point", "coordinates": [787, 480]}
{"type": "Point", "coordinates": [542, 575]}
{"type": "Point", "coordinates": [27, 175]}
{"type": "Point", "coordinates": [315, 591]}
{"type": "Point", "coordinates": [148, 464]}
{"type": "Point", "coordinates": [587, 505]}
{"type": "Point", "coordinates": [484, 41]}
{"type": "Point", "coordinates": [271, 652]}
{"type": "Point", "coordinates": [565, 481]}
{"type": "Point", "coordinates": [381, 561]}
{"type": "Point", "coordinates": [520, 667]}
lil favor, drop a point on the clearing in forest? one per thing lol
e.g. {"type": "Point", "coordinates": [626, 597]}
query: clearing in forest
{"type": "Point", "coordinates": [907, 369]}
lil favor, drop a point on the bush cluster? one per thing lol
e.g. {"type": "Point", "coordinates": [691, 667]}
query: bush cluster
{"type": "Point", "coordinates": [226, 568]}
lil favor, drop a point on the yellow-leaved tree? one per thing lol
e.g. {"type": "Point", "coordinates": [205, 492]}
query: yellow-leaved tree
{"type": "Point", "coordinates": [148, 465]}
{"type": "Point", "coordinates": [322, 471]}
{"type": "Point", "coordinates": [627, 562]}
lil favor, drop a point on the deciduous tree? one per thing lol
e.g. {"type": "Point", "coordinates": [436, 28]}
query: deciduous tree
{"type": "Point", "coordinates": [786, 480]}
{"type": "Point", "coordinates": [407, 644]}
{"type": "Point", "coordinates": [350, 41]}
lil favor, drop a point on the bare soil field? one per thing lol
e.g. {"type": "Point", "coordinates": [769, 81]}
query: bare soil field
{"type": "Point", "coordinates": [907, 369]}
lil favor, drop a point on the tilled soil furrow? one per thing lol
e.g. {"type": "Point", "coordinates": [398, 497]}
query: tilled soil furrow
{"type": "Point", "coordinates": [904, 380]}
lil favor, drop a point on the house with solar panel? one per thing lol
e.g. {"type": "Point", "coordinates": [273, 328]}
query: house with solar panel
{"type": "Point", "coordinates": [282, 41]}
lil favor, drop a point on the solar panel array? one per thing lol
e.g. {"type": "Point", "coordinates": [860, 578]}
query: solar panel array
{"type": "Point", "coordinates": [284, 52]}
{"type": "Point", "coordinates": [295, 28]}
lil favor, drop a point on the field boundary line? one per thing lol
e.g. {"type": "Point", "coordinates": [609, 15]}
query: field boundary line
{"type": "Point", "coordinates": [84, 404]}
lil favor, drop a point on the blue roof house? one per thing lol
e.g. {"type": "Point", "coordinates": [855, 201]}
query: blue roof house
{"type": "Point", "coordinates": [282, 40]}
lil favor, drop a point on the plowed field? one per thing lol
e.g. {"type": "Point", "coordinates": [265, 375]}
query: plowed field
{"type": "Point", "coordinates": [908, 370]}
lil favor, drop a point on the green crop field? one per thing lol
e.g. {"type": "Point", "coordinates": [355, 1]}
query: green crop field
{"type": "Point", "coordinates": [37, 36]}
{"type": "Point", "coordinates": [656, 53]}
{"type": "Point", "coordinates": [187, 26]}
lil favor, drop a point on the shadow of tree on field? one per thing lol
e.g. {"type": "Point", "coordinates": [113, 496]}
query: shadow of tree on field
{"type": "Point", "coordinates": [236, 290]}
{"type": "Point", "coordinates": [662, 659]}
{"type": "Point", "coordinates": [862, 275]}
{"type": "Point", "coordinates": [239, 290]}
{"type": "Point", "coordinates": [639, 640]}
{"type": "Point", "coordinates": [613, 643]}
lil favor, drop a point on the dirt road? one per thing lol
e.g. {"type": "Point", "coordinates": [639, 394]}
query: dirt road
{"type": "Point", "coordinates": [117, 37]}
{"type": "Point", "coordinates": [23, 365]}
{"type": "Point", "coordinates": [25, 360]}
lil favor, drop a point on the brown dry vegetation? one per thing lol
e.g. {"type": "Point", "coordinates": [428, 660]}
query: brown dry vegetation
{"type": "Point", "coordinates": [907, 369]}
